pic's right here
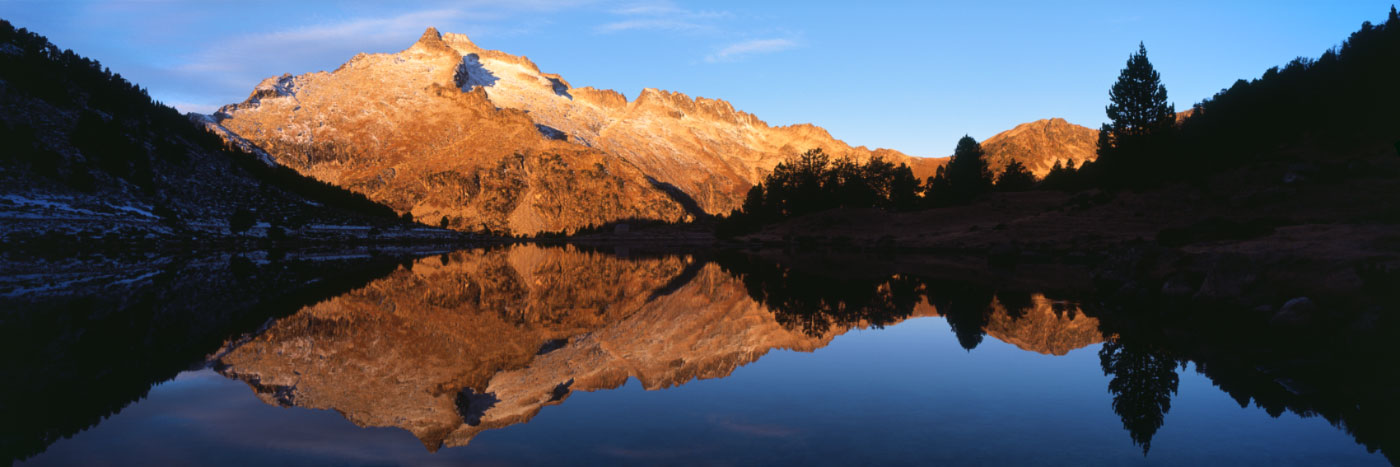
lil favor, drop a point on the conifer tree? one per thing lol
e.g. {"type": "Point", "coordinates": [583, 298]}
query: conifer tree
{"type": "Point", "coordinates": [1140, 118]}
{"type": "Point", "coordinates": [1138, 101]}
{"type": "Point", "coordinates": [1016, 178]}
{"type": "Point", "coordinates": [968, 173]}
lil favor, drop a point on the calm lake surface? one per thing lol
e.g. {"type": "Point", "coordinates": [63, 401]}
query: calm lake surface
{"type": "Point", "coordinates": [533, 355]}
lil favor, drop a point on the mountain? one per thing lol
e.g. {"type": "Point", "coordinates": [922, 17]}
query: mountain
{"type": "Point", "coordinates": [447, 128]}
{"type": "Point", "coordinates": [1040, 144]}
{"type": "Point", "coordinates": [89, 156]}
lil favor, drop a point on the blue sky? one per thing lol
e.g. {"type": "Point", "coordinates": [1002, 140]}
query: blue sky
{"type": "Point", "coordinates": [912, 76]}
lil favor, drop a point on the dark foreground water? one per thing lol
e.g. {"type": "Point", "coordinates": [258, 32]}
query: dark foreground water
{"type": "Point", "coordinates": [532, 355]}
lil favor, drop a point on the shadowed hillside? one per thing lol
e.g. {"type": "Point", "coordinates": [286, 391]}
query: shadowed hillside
{"type": "Point", "coordinates": [90, 156]}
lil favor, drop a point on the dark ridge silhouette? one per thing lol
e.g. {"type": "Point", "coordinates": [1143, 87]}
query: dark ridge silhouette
{"type": "Point", "coordinates": [105, 136]}
{"type": "Point", "coordinates": [1342, 103]}
{"type": "Point", "coordinates": [1344, 100]}
{"type": "Point", "coordinates": [64, 344]}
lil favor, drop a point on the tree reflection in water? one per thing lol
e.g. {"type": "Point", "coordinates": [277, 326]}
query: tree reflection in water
{"type": "Point", "coordinates": [1143, 383]}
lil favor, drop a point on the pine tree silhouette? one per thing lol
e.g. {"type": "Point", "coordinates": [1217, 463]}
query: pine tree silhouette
{"type": "Point", "coordinates": [968, 174]}
{"type": "Point", "coordinates": [1016, 178]}
{"type": "Point", "coordinates": [1140, 118]}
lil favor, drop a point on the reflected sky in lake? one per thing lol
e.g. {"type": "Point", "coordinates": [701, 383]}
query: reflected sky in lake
{"type": "Point", "coordinates": [548, 356]}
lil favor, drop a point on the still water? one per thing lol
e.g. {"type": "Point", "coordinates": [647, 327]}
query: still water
{"type": "Point", "coordinates": [531, 355]}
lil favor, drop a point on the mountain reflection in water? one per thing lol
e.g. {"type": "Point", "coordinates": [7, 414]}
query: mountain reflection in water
{"type": "Point", "coordinates": [453, 345]}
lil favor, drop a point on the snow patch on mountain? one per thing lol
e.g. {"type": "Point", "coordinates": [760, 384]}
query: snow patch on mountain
{"type": "Point", "coordinates": [471, 73]}
{"type": "Point", "coordinates": [211, 123]}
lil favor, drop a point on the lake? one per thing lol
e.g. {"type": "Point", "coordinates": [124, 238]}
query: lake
{"type": "Point", "coordinates": [565, 355]}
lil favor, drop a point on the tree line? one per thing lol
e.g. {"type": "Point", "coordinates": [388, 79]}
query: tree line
{"type": "Point", "coordinates": [1345, 100]}
{"type": "Point", "coordinates": [813, 181]}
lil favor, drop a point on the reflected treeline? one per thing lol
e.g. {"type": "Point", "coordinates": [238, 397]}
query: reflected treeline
{"type": "Point", "coordinates": [85, 337]}
{"type": "Point", "coordinates": [1346, 375]}
{"type": "Point", "coordinates": [1330, 372]}
{"type": "Point", "coordinates": [816, 302]}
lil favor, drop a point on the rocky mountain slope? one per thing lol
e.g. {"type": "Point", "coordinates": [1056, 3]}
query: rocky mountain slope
{"type": "Point", "coordinates": [1040, 144]}
{"type": "Point", "coordinates": [88, 155]}
{"type": "Point", "coordinates": [446, 128]}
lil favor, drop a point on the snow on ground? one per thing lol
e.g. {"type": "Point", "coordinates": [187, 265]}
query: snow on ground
{"type": "Point", "coordinates": [26, 284]}
{"type": "Point", "coordinates": [337, 227]}
{"type": "Point", "coordinates": [130, 208]}
{"type": "Point", "coordinates": [36, 207]}
{"type": "Point", "coordinates": [30, 203]}
{"type": "Point", "coordinates": [471, 73]}
{"type": "Point", "coordinates": [212, 124]}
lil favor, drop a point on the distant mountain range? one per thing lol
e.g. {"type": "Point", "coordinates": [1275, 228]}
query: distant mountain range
{"type": "Point", "coordinates": [448, 129]}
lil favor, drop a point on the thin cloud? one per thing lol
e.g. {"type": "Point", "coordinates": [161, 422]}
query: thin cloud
{"type": "Point", "coordinates": [227, 69]}
{"type": "Point", "coordinates": [651, 24]}
{"type": "Point", "coordinates": [747, 48]}
{"type": "Point", "coordinates": [358, 34]}
{"type": "Point", "coordinates": [662, 16]}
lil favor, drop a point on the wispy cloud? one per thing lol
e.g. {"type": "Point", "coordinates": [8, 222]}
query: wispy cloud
{"type": "Point", "coordinates": [294, 45]}
{"type": "Point", "coordinates": [229, 67]}
{"type": "Point", "coordinates": [668, 17]}
{"type": "Point", "coordinates": [662, 16]}
{"type": "Point", "coordinates": [739, 50]}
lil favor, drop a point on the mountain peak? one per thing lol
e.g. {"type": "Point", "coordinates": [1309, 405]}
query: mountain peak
{"type": "Point", "coordinates": [1040, 144]}
{"type": "Point", "coordinates": [431, 40]}
{"type": "Point", "coordinates": [431, 34]}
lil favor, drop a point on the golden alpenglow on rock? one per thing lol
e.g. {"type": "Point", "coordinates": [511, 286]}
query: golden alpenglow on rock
{"type": "Point", "coordinates": [446, 128]}
{"type": "Point", "coordinates": [1040, 144]}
